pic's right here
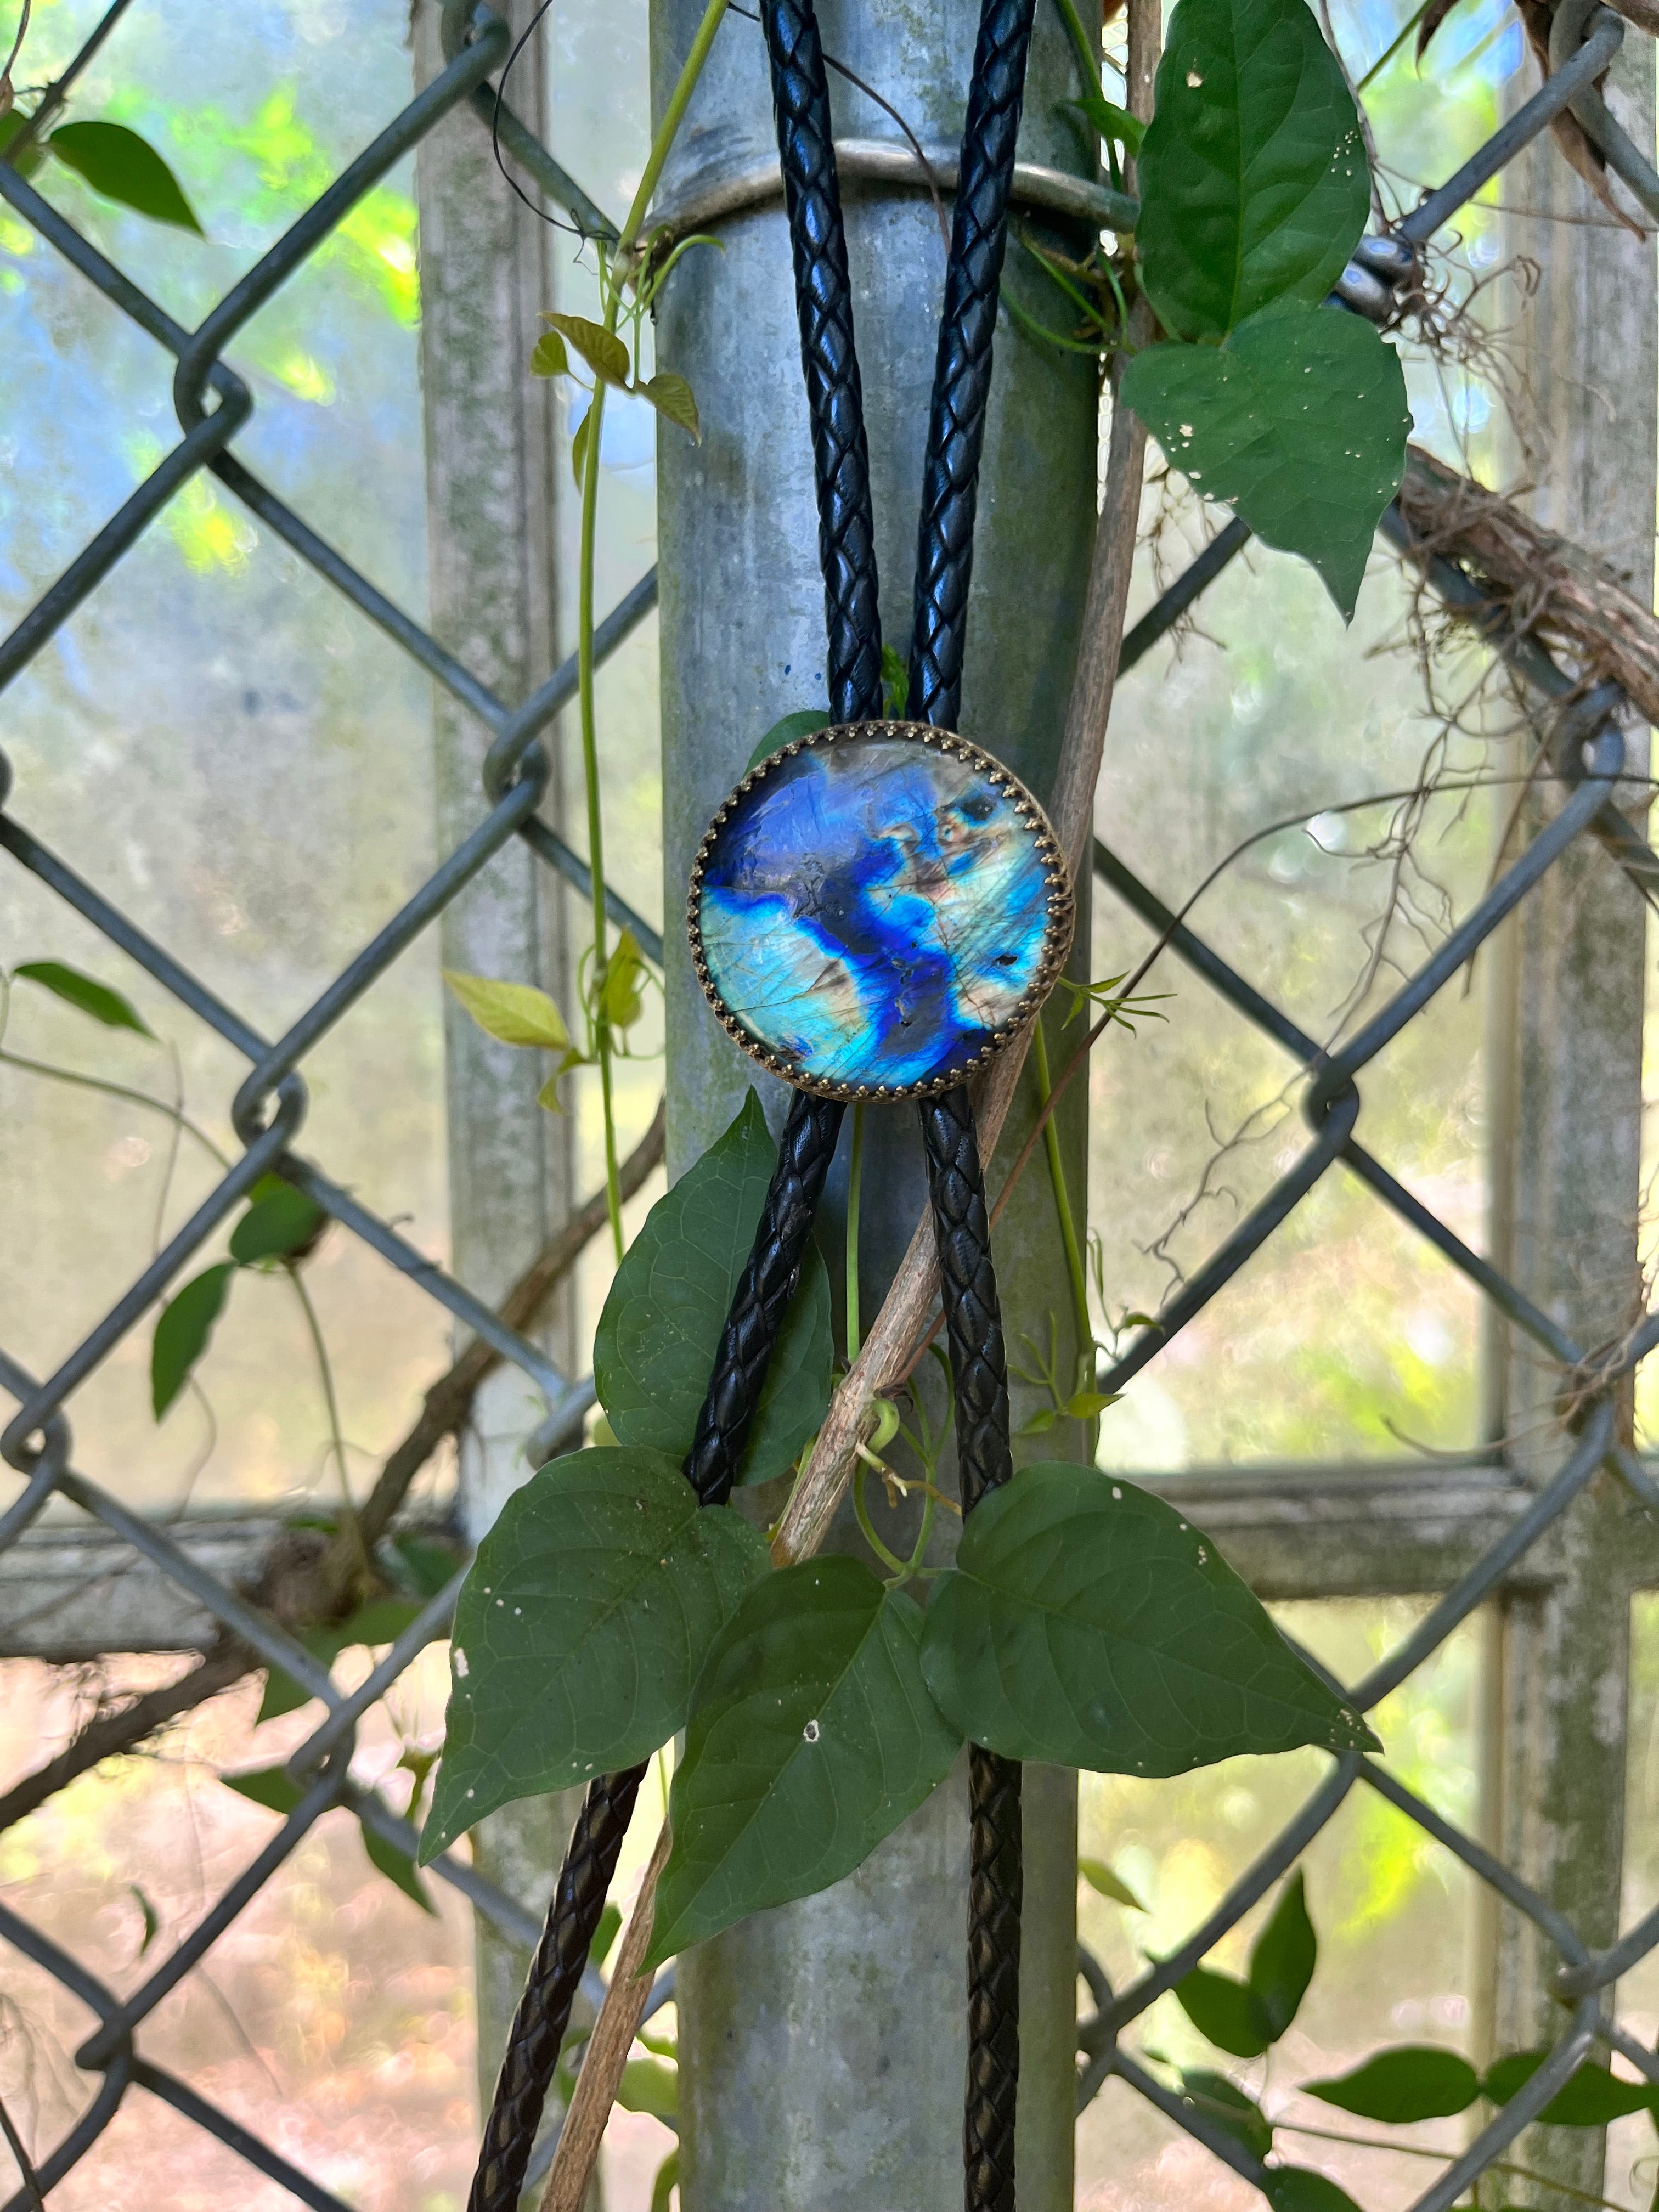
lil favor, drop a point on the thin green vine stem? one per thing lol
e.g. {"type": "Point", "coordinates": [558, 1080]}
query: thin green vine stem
{"type": "Point", "coordinates": [1445, 2157]}
{"type": "Point", "coordinates": [613, 278]}
{"type": "Point", "coordinates": [1074, 1267]}
{"type": "Point", "coordinates": [337, 1433]}
{"type": "Point", "coordinates": [590, 780]}
{"type": "Point", "coordinates": [1390, 51]}
{"type": "Point", "coordinates": [673, 116]}
{"type": "Point", "coordinates": [1090, 60]}
{"type": "Point", "coordinates": [854, 1182]}
{"type": "Point", "coordinates": [891, 1561]}
{"type": "Point", "coordinates": [114, 1090]}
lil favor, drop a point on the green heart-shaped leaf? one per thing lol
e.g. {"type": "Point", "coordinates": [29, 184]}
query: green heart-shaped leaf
{"type": "Point", "coordinates": [811, 1736]}
{"type": "Point", "coordinates": [1253, 177]}
{"type": "Point", "coordinates": [1086, 1624]}
{"type": "Point", "coordinates": [661, 1327]}
{"type": "Point", "coordinates": [1300, 423]}
{"type": "Point", "coordinates": [581, 1629]}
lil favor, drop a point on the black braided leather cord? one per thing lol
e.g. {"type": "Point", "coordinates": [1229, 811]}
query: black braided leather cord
{"type": "Point", "coordinates": [728, 1411]}
{"type": "Point", "coordinates": [968, 1286]}
{"type": "Point", "coordinates": [823, 301]}
{"type": "Point", "coordinates": [973, 1319]}
{"type": "Point", "coordinates": [995, 1885]}
{"type": "Point", "coordinates": [962, 374]}
{"type": "Point", "coordinates": [549, 1991]}
{"type": "Point", "coordinates": [763, 1295]}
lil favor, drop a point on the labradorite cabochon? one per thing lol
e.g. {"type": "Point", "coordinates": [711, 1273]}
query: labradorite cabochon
{"type": "Point", "coordinates": [880, 906]}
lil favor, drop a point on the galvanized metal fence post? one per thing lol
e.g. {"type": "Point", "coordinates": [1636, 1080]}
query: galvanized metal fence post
{"type": "Point", "coordinates": [823, 2046]}
{"type": "Point", "coordinates": [486, 274]}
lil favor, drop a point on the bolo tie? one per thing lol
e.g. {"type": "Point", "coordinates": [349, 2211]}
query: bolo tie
{"type": "Point", "coordinates": [875, 911]}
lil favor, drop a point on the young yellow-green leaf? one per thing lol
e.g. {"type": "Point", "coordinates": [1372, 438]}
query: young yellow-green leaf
{"type": "Point", "coordinates": [548, 357]}
{"type": "Point", "coordinates": [1087, 1625]}
{"type": "Point", "coordinates": [602, 349]}
{"type": "Point", "coordinates": [1085, 1405]}
{"type": "Point", "coordinates": [578, 438]}
{"type": "Point", "coordinates": [1253, 178]}
{"type": "Point", "coordinates": [581, 1629]}
{"type": "Point", "coordinates": [1225, 2106]}
{"type": "Point", "coordinates": [667, 2180]}
{"type": "Point", "coordinates": [183, 1330]}
{"type": "Point", "coordinates": [811, 1736]}
{"type": "Point", "coordinates": [788, 731]}
{"type": "Point", "coordinates": [621, 997]}
{"type": "Point", "coordinates": [1300, 423]}
{"type": "Point", "coordinates": [279, 1222]}
{"type": "Point", "coordinates": [548, 1097]}
{"type": "Point", "coordinates": [648, 2086]}
{"type": "Point", "coordinates": [1101, 1878]}
{"type": "Point", "coordinates": [1410, 2081]}
{"type": "Point", "coordinates": [513, 1013]}
{"type": "Point", "coordinates": [662, 1326]}
{"type": "Point", "coordinates": [673, 397]}
{"type": "Point", "coordinates": [1224, 2010]}
{"type": "Point", "coordinates": [83, 991]}
{"type": "Point", "coordinates": [126, 168]}
{"type": "Point", "coordinates": [397, 1867]}
{"type": "Point", "coordinates": [1282, 1959]}
{"type": "Point", "coordinates": [1298, 2188]}
{"type": "Point", "coordinates": [1590, 2098]}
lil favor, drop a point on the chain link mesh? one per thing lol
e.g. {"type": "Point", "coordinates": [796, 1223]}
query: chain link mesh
{"type": "Point", "coordinates": [1584, 753]}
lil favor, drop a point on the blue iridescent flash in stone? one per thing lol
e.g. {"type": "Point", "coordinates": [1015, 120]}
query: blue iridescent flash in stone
{"type": "Point", "coordinates": [876, 910]}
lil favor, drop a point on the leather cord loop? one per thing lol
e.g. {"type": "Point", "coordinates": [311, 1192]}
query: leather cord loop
{"type": "Point", "coordinates": [847, 549]}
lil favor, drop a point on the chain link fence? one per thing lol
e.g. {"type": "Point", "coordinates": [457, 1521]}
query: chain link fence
{"type": "Point", "coordinates": [1582, 756]}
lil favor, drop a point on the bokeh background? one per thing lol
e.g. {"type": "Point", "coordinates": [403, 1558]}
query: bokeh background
{"type": "Point", "coordinates": [246, 767]}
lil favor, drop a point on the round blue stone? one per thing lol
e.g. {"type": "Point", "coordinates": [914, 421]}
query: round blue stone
{"type": "Point", "coordinates": [874, 910]}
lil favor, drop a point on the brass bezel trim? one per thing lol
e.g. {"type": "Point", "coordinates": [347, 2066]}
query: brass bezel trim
{"type": "Point", "coordinates": [1057, 930]}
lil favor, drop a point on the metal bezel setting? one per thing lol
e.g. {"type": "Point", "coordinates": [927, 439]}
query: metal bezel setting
{"type": "Point", "coordinates": [1057, 929]}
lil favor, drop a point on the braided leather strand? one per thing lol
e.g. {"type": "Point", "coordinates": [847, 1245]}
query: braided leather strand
{"type": "Point", "coordinates": [550, 1991]}
{"type": "Point", "coordinates": [962, 374]}
{"type": "Point", "coordinates": [995, 1885]}
{"type": "Point", "coordinates": [727, 1414]}
{"type": "Point", "coordinates": [763, 1295]}
{"type": "Point", "coordinates": [823, 301]}
{"type": "Point", "coordinates": [968, 1284]}
{"type": "Point", "coordinates": [979, 1371]}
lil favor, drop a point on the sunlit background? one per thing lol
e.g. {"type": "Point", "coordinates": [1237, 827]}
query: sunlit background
{"type": "Point", "coordinates": [246, 765]}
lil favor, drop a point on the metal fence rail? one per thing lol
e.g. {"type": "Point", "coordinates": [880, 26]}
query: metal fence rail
{"type": "Point", "coordinates": [1584, 754]}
